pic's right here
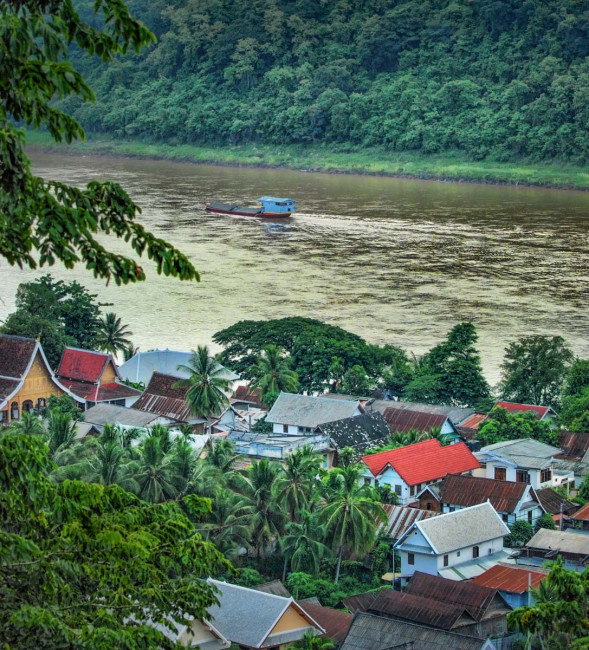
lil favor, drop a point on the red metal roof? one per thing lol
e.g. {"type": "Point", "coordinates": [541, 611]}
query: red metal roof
{"type": "Point", "coordinates": [82, 365]}
{"type": "Point", "coordinates": [474, 421]}
{"type": "Point", "coordinates": [402, 420]}
{"type": "Point", "coordinates": [508, 578]}
{"type": "Point", "coordinates": [15, 355]}
{"type": "Point", "coordinates": [424, 461]}
{"type": "Point", "coordinates": [512, 407]}
{"type": "Point", "coordinates": [471, 490]}
{"type": "Point", "coordinates": [582, 513]}
{"type": "Point", "coordinates": [100, 393]}
{"type": "Point", "coordinates": [335, 622]}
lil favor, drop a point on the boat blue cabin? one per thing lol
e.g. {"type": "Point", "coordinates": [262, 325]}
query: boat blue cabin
{"type": "Point", "coordinates": [276, 205]}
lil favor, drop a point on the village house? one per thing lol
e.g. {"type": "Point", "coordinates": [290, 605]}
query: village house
{"type": "Point", "coordinates": [140, 367]}
{"type": "Point", "coordinates": [555, 504]}
{"type": "Point", "coordinates": [408, 469]}
{"type": "Point", "coordinates": [96, 417]}
{"type": "Point", "coordinates": [401, 518]}
{"type": "Point", "coordinates": [524, 461]}
{"type": "Point", "coordinates": [580, 519]}
{"type": "Point", "coordinates": [93, 376]}
{"type": "Point", "coordinates": [301, 414]}
{"type": "Point", "coordinates": [574, 456]}
{"type": "Point", "coordinates": [234, 419]}
{"type": "Point", "coordinates": [469, 428]}
{"type": "Point", "coordinates": [164, 398]}
{"type": "Point", "coordinates": [549, 544]}
{"type": "Point", "coordinates": [335, 622]}
{"type": "Point", "coordinates": [405, 420]}
{"type": "Point", "coordinates": [246, 398]}
{"type": "Point", "coordinates": [456, 545]}
{"type": "Point", "coordinates": [360, 432]}
{"type": "Point", "coordinates": [255, 619]}
{"type": "Point", "coordinates": [512, 582]}
{"type": "Point", "coordinates": [26, 379]}
{"type": "Point", "coordinates": [371, 632]}
{"type": "Point", "coordinates": [276, 446]}
{"type": "Point", "coordinates": [450, 605]}
{"type": "Point", "coordinates": [541, 412]}
{"type": "Point", "coordinates": [513, 501]}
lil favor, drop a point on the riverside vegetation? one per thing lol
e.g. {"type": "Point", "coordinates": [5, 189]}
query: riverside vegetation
{"type": "Point", "coordinates": [489, 83]}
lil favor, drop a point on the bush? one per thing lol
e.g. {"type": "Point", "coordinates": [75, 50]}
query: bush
{"type": "Point", "coordinates": [545, 521]}
{"type": "Point", "coordinates": [521, 533]}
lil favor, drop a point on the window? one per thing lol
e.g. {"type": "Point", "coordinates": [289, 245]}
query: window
{"type": "Point", "coordinates": [41, 403]}
{"type": "Point", "coordinates": [451, 509]}
{"type": "Point", "coordinates": [411, 558]}
{"type": "Point", "coordinates": [491, 551]}
{"type": "Point", "coordinates": [285, 428]}
{"type": "Point", "coordinates": [445, 560]}
{"type": "Point", "coordinates": [27, 406]}
{"type": "Point", "coordinates": [545, 475]}
{"type": "Point", "coordinates": [521, 476]}
{"type": "Point", "coordinates": [529, 516]}
{"type": "Point", "coordinates": [475, 551]}
{"type": "Point", "coordinates": [457, 553]}
{"type": "Point", "coordinates": [412, 490]}
{"type": "Point", "coordinates": [398, 490]}
{"type": "Point", "coordinates": [500, 473]}
{"type": "Point", "coordinates": [14, 411]}
{"type": "Point", "coordinates": [366, 481]}
{"type": "Point", "coordinates": [375, 482]}
{"type": "Point", "coordinates": [428, 506]}
{"type": "Point", "coordinates": [505, 517]}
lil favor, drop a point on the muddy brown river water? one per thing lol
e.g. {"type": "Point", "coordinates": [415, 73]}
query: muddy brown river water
{"type": "Point", "coordinates": [394, 260]}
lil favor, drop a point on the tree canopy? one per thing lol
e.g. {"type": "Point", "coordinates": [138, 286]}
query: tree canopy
{"type": "Point", "coordinates": [42, 221]}
{"type": "Point", "coordinates": [503, 425]}
{"type": "Point", "coordinates": [89, 566]}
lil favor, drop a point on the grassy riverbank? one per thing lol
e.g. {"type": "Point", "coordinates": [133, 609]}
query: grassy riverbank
{"type": "Point", "coordinates": [334, 160]}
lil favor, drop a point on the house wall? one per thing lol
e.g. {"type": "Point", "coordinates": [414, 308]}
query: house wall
{"type": "Point", "coordinates": [456, 558]}
{"type": "Point", "coordinates": [296, 430]}
{"type": "Point", "coordinates": [424, 561]}
{"type": "Point", "coordinates": [510, 474]}
{"type": "Point", "coordinates": [290, 620]}
{"type": "Point", "coordinates": [427, 499]}
{"type": "Point", "coordinates": [390, 477]}
{"type": "Point", "coordinates": [109, 374]}
{"type": "Point", "coordinates": [38, 384]}
{"type": "Point", "coordinates": [508, 517]}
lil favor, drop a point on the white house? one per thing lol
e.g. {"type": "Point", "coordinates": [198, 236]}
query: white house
{"type": "Point", "coordinates": [301, 414]}
{"type": "Point", "coordinates": [523, 461]}
{"type": "Point", "coordinates": [470, 537]}
{"type": "Point", "coordinates": [408, 469]}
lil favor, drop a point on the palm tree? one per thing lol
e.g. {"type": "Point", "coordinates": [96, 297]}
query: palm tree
{"type": "Point", "coordinates": [222, 455]}
{"type": "Point", "coordinates": [29, 424]}
{"type": "Point", "coordinates": [206, 384]}
{"type": "Point", "coordinates": [259, 490]}
{"type": "Point", "coordinates": [313, 642]}
{"type": "Point", "coordinates": [272, 373]}
{"type": "Point", "coordinates": [302, 545]}
{"type": "Point", "coordinates": [204, 480]}
{"type": "Point", "coordinates": [294, 486]}
{"type": "Point", "coordinates": [229, 525]}
{"type": "Point", "coordinates": [155, 473]}
{"type": "Point", "coordinates": [129, 351]}
{"type": "Point", "coordinates": [112, 335]}
{"type": "Point", "coordinates": [350, 514]}
{"type": "Point", "coordinates": [61, 434]}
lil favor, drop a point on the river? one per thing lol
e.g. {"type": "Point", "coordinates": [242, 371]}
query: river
{"type": "Point", "coordinates": [394, 260]}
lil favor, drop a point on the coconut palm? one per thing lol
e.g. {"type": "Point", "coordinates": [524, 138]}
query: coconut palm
{"type": "Point", "coordinates": [129, 351]}
{"type": "Point", "coordinates": [111, 335]}
{"type": "Point", "coordinates": [61, 435]}
{"type": "Point", "coordinates": [229, 525]}
{"type": "Point", "coordinates": [30, 424]}
{"type": "Point", "coordinates": [155, 473]}
{"type": "Point", "coordinates": [312, 642]}
{"type": "Point", "coordinates": [350, 514]}
{"type": "Point", "coordinates": [204, 480]}
{"type": "Point", "coordinates": [272, 373]}
{"type": "Point", "coordinates": [302, 545]}
{"type": "Point", "coordinates": [222, 455]}
{"type": "Point", "coordinates": [295, 485]}
{"type": "Point", "coordinates": [206, 384]}
{"type": "Point", "coordinates": [258, 487]}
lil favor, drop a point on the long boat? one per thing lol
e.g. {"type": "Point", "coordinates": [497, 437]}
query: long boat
{"type": "Point", "coordinates": [269, 207]}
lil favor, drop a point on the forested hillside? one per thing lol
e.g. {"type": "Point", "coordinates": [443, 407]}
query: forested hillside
{"type": "Point", "coordinates": [501, 79]}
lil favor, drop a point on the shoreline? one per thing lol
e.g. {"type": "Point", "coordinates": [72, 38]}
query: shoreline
{"type": "Point", "coordinates": [319, 159]}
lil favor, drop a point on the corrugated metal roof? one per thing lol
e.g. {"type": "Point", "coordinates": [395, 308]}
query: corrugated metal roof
{"type": "Point", "coordinates": [513, 579]}
{"type": "Point", "coordinates": [361, 602]}
{"type": "Point", "coordinates": [418, 609]}
{"type": "Point", "coordinates": [83, 365]}
{"type": "Point", "coordinates": [370, 632]}
{"type": "Point", "coordinates": [512, 407]}
{"type": "Point", "coordinates": [309, 411]}
{"type": "Point", "coordinates": [470, 490]}
{"type": "Point", "coordinates": [560, 540]}
{"type": "Point", "coordinates": [335, 622]}
{"type": "Point", "coordinates": [475, 599]}
{"type": "Point", "coordinates": [403, 420]}
{"type": "Point", "coordinates": [361, 432]}
{"type": "Point", "coordinates": [574, 445]}
{"type": "Point", "coordinates": [524, 452]}
{"type": "Point", "coordinates": [102, 414]}
{"type": "Point", "coordinates": [582, 513]}
{"type": "Point", "coordinates": [176, 409]}
{"type": "Point", "coordinates": [401, 518]}
{"type": "Point", "coordinates": [551, 501]}
{"type": "Point", "coordinates": [424, 461]}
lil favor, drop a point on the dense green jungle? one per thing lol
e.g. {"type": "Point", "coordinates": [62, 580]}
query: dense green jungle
{"type": "Point", "coordinates": [502, 80]}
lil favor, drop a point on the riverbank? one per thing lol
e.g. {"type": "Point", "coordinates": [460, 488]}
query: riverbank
{"type": "Point", "coordinates": [336, 160]}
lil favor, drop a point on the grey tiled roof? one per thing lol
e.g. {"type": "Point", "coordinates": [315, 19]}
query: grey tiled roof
{"type": "Point", "coordinates": [112, 414]}
{"type": "Point", "coordinates": [561, 540]}
{"type": "Point", "coordinates": [246, 616]}
{"type": "Point", "coordinates": [369, 632]}
{"type": "Point", "coordinates": [467, 527]}
{"type": "Point", "coordinates": [525, 452]}
{"type": "Point", "coordinates": [361, 432]}
{"type": "Point", "coordinates": [309, 411]}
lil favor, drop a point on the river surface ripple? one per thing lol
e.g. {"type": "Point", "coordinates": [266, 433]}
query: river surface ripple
{"type": "Point", "coordinates": [394, 260]}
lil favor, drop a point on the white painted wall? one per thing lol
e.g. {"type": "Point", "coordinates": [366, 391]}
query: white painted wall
{"type": "Point", "coordinates": [390, 477]}
{"type": "Point", "coordinates": [512, 517]}
{"type": "Point", "coordinates": [510, 474]}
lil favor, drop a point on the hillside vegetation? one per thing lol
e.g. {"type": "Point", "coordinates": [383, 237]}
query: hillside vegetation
{"type": "Point", "coordinates": [498, 79]}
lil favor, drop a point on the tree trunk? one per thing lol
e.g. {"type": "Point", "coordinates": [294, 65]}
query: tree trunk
{"type": "Point", "coordinates": [284, 568]}
{"type": "Point", "coordinates": [339, 562]}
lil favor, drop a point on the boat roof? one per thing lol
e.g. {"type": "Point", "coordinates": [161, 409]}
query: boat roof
{"type": "Point", "coordinates": [275, 199]}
